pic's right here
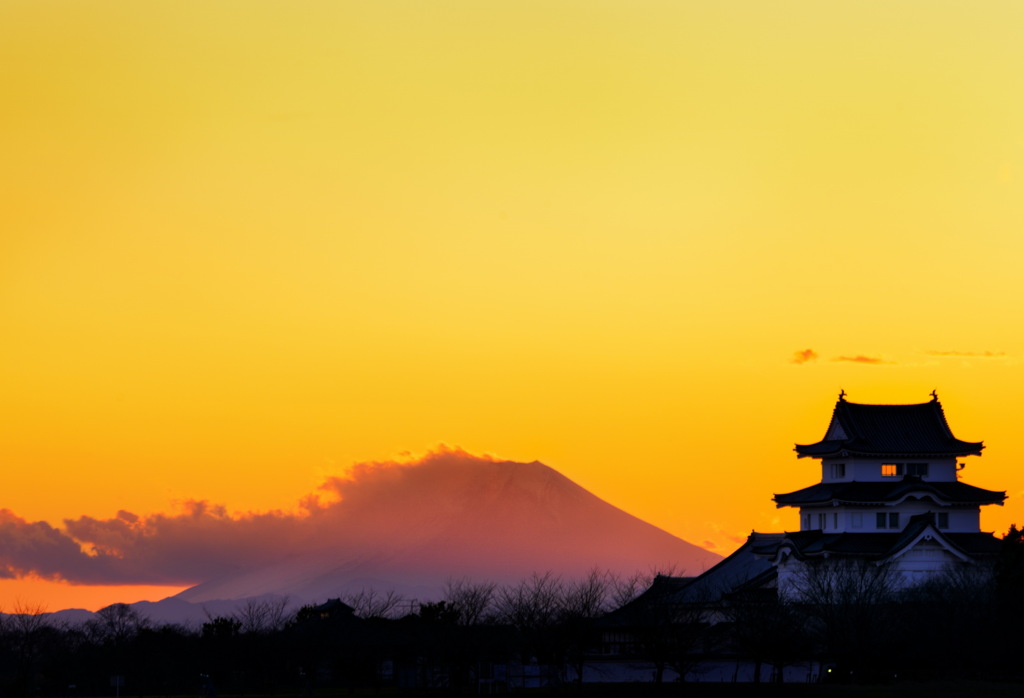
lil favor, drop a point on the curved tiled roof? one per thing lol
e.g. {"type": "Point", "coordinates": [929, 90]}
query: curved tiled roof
{"type": "Point", "coordinates": [888, 430]}
{"type": "Point", "coordinates": [881, 545]}
{"type": "Point", "coordinates": [889, 492]}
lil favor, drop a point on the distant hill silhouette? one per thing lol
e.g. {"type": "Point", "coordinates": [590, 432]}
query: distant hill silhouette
{"type": "Point", "coordinates": [453, 516]}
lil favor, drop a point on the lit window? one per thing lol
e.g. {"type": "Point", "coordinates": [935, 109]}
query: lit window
{"type": "Point", "coordinates": [892, 469]}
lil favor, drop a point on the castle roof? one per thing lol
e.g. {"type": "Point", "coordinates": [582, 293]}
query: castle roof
{"type": "Point", "coordinates": [747, 563]}
{"type": "Point", "coordinates": [910, 486]}
{"type": "Point", "coordinates": [880, 546]}
{"type": "Point", "coordinates": [888, 431]}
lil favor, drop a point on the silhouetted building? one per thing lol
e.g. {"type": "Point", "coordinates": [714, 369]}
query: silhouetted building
{"type": "Point", "coordinates": [888, 514]}
{"type": "Point", "coordinates": [890, 491]}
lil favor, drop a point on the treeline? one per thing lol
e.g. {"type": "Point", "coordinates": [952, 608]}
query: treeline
{"type": "Point", "coordinates": [860, 624]}
{"type": "Point", "coordinates": [364, 640]}
{"type": "Point", "coordinates": [847, 620]}
{"type": "Point", "coordinates": [852, 621]}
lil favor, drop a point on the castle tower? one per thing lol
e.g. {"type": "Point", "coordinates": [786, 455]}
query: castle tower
{"type": "Point", "coordinates": [883, 465]}
{"type": "Point", "coordinates": [890, 491]}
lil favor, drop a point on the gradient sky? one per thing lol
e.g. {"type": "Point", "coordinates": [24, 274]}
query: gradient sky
{"type": "Point", "coordinates": [245, 245]}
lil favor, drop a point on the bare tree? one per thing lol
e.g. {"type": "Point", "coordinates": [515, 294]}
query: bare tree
{"type": "Point", "coordinates": [27, 619]}
{"type": "Point", "coordinates": [370, 603]}
{"type": "Point", "coordinates": [768, 629]}
{"type": "Point", "coordinates": [532, 604]}
{"type": "Point", "coordinates": [588, 597]}
{"type": "Point", "coordinates": [851, 602]}
{"type": "Point", "coordinates": [472, 601]}
{"type": "Point", "coordinates": [23, 629]}
{"type": "Point", "coordinates": [116, 624]}
{"type": "Point", "coordinates": [625, 589]}
{"type": "Point", "coordinates": [262, 616]}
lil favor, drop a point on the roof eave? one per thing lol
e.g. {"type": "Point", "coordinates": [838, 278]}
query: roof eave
{"type": "Point", "coordinates": [852, 452]}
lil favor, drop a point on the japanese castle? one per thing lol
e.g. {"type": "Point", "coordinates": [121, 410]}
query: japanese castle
{"type": "Point", "coordinates": [890, 491]}
{"type": "Point", "coordinates": [890, 494]}
{"type": "Point", "coordinates": [889, 508]}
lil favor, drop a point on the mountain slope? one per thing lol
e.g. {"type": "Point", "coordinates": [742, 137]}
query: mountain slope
{"type": "Point", "coordinates": [454, 516]}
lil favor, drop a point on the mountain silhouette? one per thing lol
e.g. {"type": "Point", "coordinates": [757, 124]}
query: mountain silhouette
{"type": "Point", "coordinates": [455, 516]}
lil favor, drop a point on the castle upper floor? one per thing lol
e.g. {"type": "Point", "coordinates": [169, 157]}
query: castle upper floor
{"type": "Point", "coordinates": [881, 465]}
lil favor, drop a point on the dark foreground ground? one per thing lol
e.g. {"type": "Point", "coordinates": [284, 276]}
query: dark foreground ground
{"type": "Point", "coordinates": [895, 690]}
{"type": "Point", "coordinates": [950, 689]}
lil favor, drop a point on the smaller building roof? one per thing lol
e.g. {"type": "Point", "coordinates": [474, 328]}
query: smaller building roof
{"type": "Point", "coordinates": [910, 486]}
{"type": "Point", "coordinates": [888, 431]}
{"type": "Point", "coordinates": [747, 563]}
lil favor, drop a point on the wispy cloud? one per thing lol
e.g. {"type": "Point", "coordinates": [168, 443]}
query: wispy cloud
{"type": "Point", "coordinates": [804, 355]}
{"type": "Point", "coordinates": [968, 354]}
{"type": "Point", "coordinates": [861, 359]}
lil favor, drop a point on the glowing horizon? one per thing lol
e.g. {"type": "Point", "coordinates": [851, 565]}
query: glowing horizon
{"type": "Point", "coordinates": [247, 245]}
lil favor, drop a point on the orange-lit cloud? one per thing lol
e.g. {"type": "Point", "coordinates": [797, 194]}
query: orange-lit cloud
{"type": "Point", "coordinates": [861, 359]}
{"type": "Point", "coordinates": [804, 355]}
{"type": "Point", "coordinates": [372, 505]}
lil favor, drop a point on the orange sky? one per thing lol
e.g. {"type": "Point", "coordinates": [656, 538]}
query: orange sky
{"type": "Point", "coordinates": [244, 245]}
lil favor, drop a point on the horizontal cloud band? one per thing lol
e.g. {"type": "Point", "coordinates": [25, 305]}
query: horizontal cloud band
{"type": "Point", "coordinates": [204, 541]}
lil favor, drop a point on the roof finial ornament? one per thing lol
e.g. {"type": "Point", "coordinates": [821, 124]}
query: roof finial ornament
{"type": "Point", "coordinates": [842, 395]}
{"type": "Point", "coordinates": [935, 395]}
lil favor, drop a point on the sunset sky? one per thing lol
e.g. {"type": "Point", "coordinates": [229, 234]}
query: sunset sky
{"type": "Point", "coordinates": [246, 245]}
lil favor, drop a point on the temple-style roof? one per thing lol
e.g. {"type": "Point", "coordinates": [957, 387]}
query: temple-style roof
{"type": "Point", "coordinates": [888, 431]}
{"type": "Point", "coordinates": [747, 563]}
{"type": "Point", "coordinates": [910, 486]}
{"type": "Point", "coordinates": [879, 546]}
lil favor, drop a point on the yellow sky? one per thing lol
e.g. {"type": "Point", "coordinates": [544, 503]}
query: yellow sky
{"type": "Point", "coordinates": [244, 245]}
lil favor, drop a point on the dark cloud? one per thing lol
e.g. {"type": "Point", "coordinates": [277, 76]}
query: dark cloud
{"type": "Point", "coordinates": [37, 547]}
{"type": "Point", "coordinates": [804, 355]}
{"type": "Point", "coordinates": [969, 354]}
{"type": "Point", "coordinates": [861, 359]}
{"type": "Point", "coordinates": [204, 540]}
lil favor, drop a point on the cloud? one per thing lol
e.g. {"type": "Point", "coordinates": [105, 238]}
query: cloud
{"type": "Point", "coordinates": [861, 359]}
{"type": "Point", "coordinates": [968, 354]}
{"type": "Point", "coordinates": [201, 540]}
{"type": "Point", "coordinates": [804, 355]}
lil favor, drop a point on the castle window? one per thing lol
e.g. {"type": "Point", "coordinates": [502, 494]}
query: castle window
{"type": "Point", "coordinates": [835, 520]}
{"type": "Point", "coordinates": [901, 469]}
{"type": "Point", "coordinates": [856, 520]}
{"type": "Point", "coordinates": [838, 471]}
{"type": "Point", "coordinates": [918, 469]}
{"type": "Point", "coordinates": [821, 521]}
{"type": "Point", "coordinates": [943, 519]}
{"type": "Point", "coordinates": [892, 520]}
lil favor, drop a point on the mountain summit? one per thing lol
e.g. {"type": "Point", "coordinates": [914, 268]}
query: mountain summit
{"type": "Point", "coordinates": [453, 515]}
